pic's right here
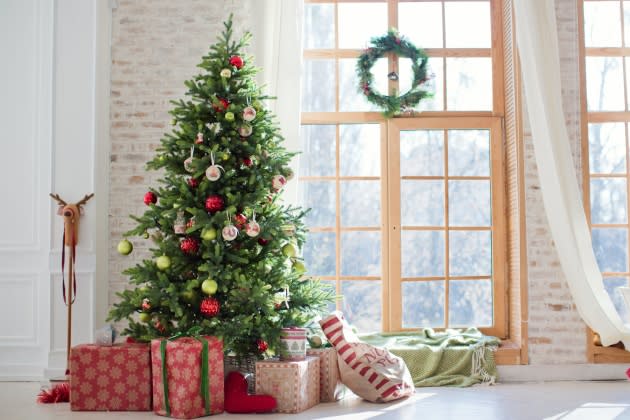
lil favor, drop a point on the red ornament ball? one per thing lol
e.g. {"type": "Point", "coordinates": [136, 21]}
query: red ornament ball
{"type": "Point", "coordinates": [150, 198]}
{"type": "Point", "coordinates": [158, 326]}
{"type": "Point", "coordinates": [215, 203]}
{"type": "Point", "coordinates": [193, 182]}
{"type": "Point", "coordinates": [236, 61]}
{"type": "Point", "coordinates": [189, 245]}
{"type": "Point", "coordinates": [210, 307]}
{"type": "Point", "coordinates": [262, 345]}
{"type": "Point", "coordinates": [262, 241]}
{"type": "Point", "coordinates": [247, 161]}
{"type": "Point", "coordinates": [221, 106]}
{"type": "Point", "coordinates": [240, 220]}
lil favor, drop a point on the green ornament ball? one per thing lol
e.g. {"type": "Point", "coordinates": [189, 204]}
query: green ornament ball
{"type": "Point", "coordinates": [289, 250]}
{"type": "Point", "coordinates": [209, 287]}
{"type": "Point", "coordinates": [209, 234]}
{"type": "Point", "coordinates": [145, 317]}
{"type": "Point", "coordinates": [163, 262]}
{"type": "Point", "coordinates": [124, 247]}
{"type": "Point", "coordinates": [229, 116]}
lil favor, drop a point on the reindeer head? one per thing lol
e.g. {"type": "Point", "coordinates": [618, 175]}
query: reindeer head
{"type": "Point", "coordinates": [71, 213]}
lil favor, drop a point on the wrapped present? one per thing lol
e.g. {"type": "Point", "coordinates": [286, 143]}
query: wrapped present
{"type": "Point", "coordinates": [110, 378]}
{"type": "Point", "coordinates": [187, 376]}
{"type": "Point", "coordinates": [330, 386]}
{"type": "Point", "coordinates": [294, 385]}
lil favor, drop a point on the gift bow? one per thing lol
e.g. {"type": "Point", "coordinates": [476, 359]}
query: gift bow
{"type": "Point", "coordinates": [194, 332]}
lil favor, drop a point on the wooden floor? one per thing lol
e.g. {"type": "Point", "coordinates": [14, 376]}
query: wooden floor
{"type": "Point", "coordinates": [596, 400]}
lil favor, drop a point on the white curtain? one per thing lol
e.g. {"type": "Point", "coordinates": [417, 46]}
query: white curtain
{"type": "Point", "coordinates": [277, 50]}
{"type": "Point", "coordinates": [538, 48]}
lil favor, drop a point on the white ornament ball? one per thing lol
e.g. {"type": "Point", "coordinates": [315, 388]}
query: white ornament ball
{"type": "Point", "coordinates": [229, 232]}
{"type": "Point", "coordinates": [278, 182]}
{"type": "Point", "coordinates": [213, 173]}
{"type": "Point", "coordinates": [245, 130]}
{"type": "Point", "coordinates": [225, 73]}
{"type": "Point", "coordinates": [249, 113]}
{"type": "Point", "coordinates": [252, 229]}
{"type": "Point", "coordinates": [188, 164]}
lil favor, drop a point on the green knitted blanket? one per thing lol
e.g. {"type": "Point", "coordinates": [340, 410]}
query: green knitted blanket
{"type": "Point", "coordinates": [449, 358]}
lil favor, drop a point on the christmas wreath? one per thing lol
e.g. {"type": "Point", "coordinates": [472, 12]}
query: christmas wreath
{"type": "Point", "coordinates": [393, 43]}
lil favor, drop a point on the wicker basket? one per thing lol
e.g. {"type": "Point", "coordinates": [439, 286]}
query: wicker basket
{"type": "Point", "coordinates": [244, 364]}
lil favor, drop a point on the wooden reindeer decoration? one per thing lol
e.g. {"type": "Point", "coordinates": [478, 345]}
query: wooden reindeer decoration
{"type": "Point", "coordinates": [71, 214]}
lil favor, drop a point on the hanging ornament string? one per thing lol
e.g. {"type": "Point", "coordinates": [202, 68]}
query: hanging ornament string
{"type": "Point", "coordinates": [393, 43]}
{"type": "Point", "coordinates": [188, 161]}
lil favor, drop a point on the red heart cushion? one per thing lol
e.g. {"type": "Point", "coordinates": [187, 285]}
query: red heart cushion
{"type": "Point", "coordinates": [237, 400]}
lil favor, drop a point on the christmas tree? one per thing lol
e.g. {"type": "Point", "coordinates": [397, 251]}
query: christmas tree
{"type": "Point", "coordinates": [225, 248]}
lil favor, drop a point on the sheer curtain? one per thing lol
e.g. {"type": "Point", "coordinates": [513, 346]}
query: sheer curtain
{"type": "Point", "coordinates": [277, 50]}
{"type": "Point", "coordinates": [536, 36]}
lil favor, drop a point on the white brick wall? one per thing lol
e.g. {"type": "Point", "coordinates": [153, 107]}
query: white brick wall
{"type": "Point", "coordinates": [556, 331]}
{"type": "Point", "coordinates": [155, 47]}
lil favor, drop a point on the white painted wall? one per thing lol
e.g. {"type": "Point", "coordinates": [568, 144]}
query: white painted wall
{"type": "Point", "coordinates": [49, 137]}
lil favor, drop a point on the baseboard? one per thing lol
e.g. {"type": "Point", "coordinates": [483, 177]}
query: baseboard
{"type": "Point", "coordinates": [21, 373]}
{"type": "Point", "coordinates": [571, 372]}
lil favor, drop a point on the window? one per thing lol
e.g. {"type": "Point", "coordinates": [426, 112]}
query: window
{"type": "Point", "coordinates": [606, 66]}
{"type": "Point", "coordinates": [605, 116]}
{"type": "Point", "coordinates": [411, 217]}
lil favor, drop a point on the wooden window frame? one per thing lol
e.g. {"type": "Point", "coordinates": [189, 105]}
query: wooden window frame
{"type": "Point", "coordinates": [506, 97]}
{"type": "Point", "coordinates": [596, 353]}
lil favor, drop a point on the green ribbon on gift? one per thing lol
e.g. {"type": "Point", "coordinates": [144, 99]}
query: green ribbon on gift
{"type": "Point", "coordinates": [194, 332]}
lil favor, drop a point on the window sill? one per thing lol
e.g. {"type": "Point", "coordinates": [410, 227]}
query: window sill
{"type": "Point", "coordinates": [510, 353]}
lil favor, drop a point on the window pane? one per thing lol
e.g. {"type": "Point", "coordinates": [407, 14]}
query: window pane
{"type": "Point", "coordinates": [421, 23]}
{"type": "Point", "coordinates": [469, 84]}
{"type": "Point", "coordinates": [361, 253]}
{"type": "Point", "coordinates": [319, 253]}
{"type": "Point", "coordinates": [350, 98]}
{"type": "Point", "coordinates": [318, 150]}
{"type": "Point", "coordinates": [469, 152]}
{"type": "Point", "coordinates": [359, 22]}
{"type": "Point", "coordinates": [422, 253]}
{"type": "Point", "coordinates": [604, 79]}
{"type": "Point", "coordinates": [360, 149]}
{"type": "Point", "coordinates": [422, 203]}
{"type": "Point", "coordinates": [602, 25]}
{"type": "Point", "coordinates": [422, 153]}
{"type": "Point", "coordinates": [469, 203]}
{"type": "Point", "coordinates": [609, 200]}
{"type": "Point", "coordinates": [470, 253]}
{"type": "Point", "coordinates": [435, 85]}
{"type": "Point", "coordinates": [470, 303]}
{"type": "Point", "coordinates": [423, 304]}
{"type": "Point", "coordinates": [611, 248]}
{"type": "Point", "coordinates": [332, 306]}
{"type": "Point", "coordinates": [362, 304]}
{"type": "Point", "coordinates": [472, 15]}
{"type": "Point", "coordinates": [611, 284]}
{"type": "Point", "coordinates": [626, 22]}
{"type": "Point", "coordinates": [319, 197]}
{"type": "Point", "coordinates": [607, 148]}
{"type": "Point", "coordinates": [319, 26]}
{"type": "Point", "coordinates": [318, 86]}
{"type": "Point", "coordinates": [361, 203]}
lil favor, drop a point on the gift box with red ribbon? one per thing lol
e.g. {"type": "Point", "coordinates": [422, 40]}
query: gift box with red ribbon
{"type": "Point", "coordinates": [187, 376]}
{"type": "Point", "coordinates": [110, 378]}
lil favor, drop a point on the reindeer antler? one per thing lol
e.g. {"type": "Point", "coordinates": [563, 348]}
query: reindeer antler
{"type": "Point", "coordinates": [84, 199]}
{"type": "Point", "coordinates": [58, 199]}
